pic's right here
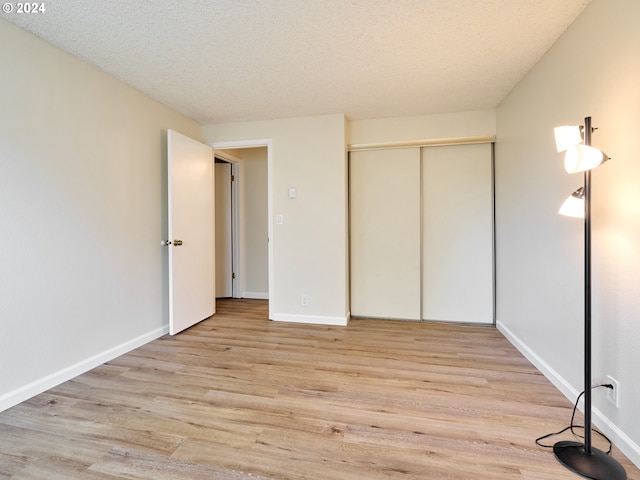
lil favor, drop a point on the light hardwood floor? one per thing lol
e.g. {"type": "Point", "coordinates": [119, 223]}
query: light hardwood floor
{"type": "Point", "coordinates": [239, 397]}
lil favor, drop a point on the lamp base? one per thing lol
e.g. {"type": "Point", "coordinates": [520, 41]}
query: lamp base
{"type": "Point", "coordinates": [596, 465]}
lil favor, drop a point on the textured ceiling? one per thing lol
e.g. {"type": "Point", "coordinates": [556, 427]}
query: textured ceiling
{"type": "Point", "coordinates": [231, 60]}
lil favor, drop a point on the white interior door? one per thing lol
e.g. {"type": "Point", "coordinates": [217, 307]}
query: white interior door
{"type": "Point", "coordinates": [458, 234]}
{"type": "Point", "coordinates": [191, 227]}
{"type": "Point", "coordinates": [385, 233]}
{"type": "Point", "coordinates": [224, 235]}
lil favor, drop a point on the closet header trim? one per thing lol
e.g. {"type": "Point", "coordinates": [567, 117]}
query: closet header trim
{"type": "Point", "coordinates": [435, 142]}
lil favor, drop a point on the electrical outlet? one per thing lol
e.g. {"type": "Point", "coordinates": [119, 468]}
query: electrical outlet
{"type": "Point", "coordinates": [304, 299]}
{"type": "Point", "coordinates": [613, 394]}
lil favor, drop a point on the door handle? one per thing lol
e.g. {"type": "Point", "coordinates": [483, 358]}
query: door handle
{"type": "Point", "coordinates": [166, 243]}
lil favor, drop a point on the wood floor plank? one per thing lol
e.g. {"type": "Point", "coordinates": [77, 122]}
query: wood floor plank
{"type": "Point", "coordinates": [239, 397]}
{"type": "Point", "coordinates": [120, 463]}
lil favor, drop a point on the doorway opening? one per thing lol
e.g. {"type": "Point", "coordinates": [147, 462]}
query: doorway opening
{"type": "Point", "coordinates": [243, 225]}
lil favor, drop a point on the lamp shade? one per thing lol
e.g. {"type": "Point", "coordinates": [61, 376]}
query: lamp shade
{"type": "Point", "coordinates": [574, 205]}
{"type": "Point", "coordinates": [579, 158]}
{"type": "Point", "coordinates": [567, 136]}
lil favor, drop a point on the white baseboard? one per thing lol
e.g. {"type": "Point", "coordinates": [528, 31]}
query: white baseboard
{"type": "Point", "coordinates": [36, 387]}
{"type": "Point", "coordinates": [626, 445]}
{"type": "Point", "coordinates": [311, 319]}
{"type": "Point", "coordinates": [256, 295]}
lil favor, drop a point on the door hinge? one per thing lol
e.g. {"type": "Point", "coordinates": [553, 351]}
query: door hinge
{"type": "Point", "coordinates": [233, 276]}
{"type": "Point", "coordinates": [233, 178]}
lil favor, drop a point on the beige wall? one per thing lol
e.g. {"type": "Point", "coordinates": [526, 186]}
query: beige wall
{"type": "Point", "coordinates": [592, 70]}
{"type": "Point", "coordinates": [82, 199]}
{"type": "Point", "coordinates": [424, 127]}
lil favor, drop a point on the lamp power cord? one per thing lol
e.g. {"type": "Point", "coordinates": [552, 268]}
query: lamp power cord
{"type": "Point", "coordinates": [572, 426]}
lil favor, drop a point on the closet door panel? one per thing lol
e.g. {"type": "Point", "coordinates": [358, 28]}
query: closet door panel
{"type": "Point", "coordinates": [458, 234]}
{"type": "Point", "coordinates": [385, 233]}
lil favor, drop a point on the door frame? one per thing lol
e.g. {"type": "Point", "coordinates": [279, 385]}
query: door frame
{"type": "Point", "coordinates": [263, 142]}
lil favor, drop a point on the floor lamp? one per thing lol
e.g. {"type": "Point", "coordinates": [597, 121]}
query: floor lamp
{"type": "Point", "coordinates": [580, 156]}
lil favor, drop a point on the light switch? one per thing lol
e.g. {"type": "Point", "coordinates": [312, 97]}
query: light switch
{"type": "Point", "coordinates": [292, 192]}
{"type": "Point", "coordinates": [279, 219]}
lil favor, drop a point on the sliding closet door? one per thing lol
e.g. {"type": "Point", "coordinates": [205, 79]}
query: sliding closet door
{"type": "Point", "coordinates": [458, 234]}
{"type": "Point", "coordinates": [385, 233]}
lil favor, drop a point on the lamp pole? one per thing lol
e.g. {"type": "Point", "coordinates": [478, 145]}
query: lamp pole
{"type": "Point", "coordinates": [587, 295]}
